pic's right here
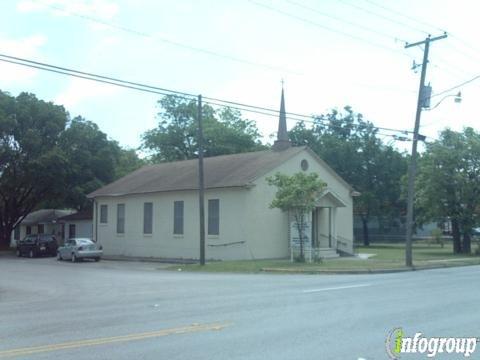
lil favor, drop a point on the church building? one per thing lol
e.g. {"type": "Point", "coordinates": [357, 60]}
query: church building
{"type": "Point", "coordinates": [154, 211]}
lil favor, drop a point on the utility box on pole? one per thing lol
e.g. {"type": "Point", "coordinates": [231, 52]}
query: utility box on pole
{"type": "Point", "coordinates": [426, 95]}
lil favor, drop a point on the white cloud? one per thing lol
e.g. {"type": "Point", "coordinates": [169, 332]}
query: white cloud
{"type": "Point", "coordinates": [28, 48]}
{"type": "Point", "coordinates": [80, 90]}
{"type": "Point", "coordinates": [28, 6]}
{"type": "Point", "coordinates": [101, 9]}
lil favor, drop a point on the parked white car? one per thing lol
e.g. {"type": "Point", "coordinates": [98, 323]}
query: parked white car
{"type": "Point", "coordinates": [79, 249]}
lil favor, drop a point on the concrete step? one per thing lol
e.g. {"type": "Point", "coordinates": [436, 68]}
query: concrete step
{"type": "Point", "coordinates": [327, 253]}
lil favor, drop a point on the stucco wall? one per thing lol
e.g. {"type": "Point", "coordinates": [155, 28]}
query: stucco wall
{"type": "Point", "coordinates": [248, 227]}
{"type": "Point", "coordinates": [162, 243]}
{"type": "Point", "coordinates": [83, 228]}
{"type": "Point", "coordinates": [268, 228]}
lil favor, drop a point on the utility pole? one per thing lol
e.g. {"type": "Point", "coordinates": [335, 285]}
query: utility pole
{"type": "Point", "coordinates": [413, 162]}
{"type": "Point", "coordinates": [201, 184]}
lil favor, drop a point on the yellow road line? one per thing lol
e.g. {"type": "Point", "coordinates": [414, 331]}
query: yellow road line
{"type": "Point", "coordinates": [109, 340]}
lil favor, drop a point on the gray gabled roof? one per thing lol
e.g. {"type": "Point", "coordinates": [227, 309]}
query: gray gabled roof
{"type": "Point", "coordinates": [235, 170]}
{"type": "Point", "coordinates": [86, 214]}
{"type": "Point", "coordinates": [44, 216]}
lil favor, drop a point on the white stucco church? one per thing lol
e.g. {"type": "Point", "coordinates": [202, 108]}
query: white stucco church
{"type": "Point", "coordinates": [154, 211]}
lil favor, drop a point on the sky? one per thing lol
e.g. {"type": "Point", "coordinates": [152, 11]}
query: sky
{"type": "Point", "coordinates": [329, 54]}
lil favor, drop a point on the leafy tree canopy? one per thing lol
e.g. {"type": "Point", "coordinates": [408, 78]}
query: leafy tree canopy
{"type": "Point", "coordinates": [48, 160]}
{"type": "Point", "coordinates": [448, 184]}
{"type": "Point", "coordinates": [176, 137]}
{"type": "Point", "coordinates": [352, 147]}
{"type": "Point", "coordinates": [32, 166]}
{"type": "Point", "coordinates": [93, 161]}
{"type": "Point", "coordinates": [297, 194]}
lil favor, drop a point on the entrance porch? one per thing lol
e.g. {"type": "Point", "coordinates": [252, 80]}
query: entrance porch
{"type": "Point", "coordinates": [320, 233]}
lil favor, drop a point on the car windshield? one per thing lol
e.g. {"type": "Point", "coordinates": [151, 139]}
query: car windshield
{"type": "Point", "coordinates": [84, 242]}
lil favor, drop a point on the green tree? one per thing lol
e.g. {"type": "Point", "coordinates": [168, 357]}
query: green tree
{"type": "Point", "coordinates": [176, 137]}
{"type": "Point", "coordinates": [298, 195]}
{"type": "Point", "coordinates": [351, 146]}
{"type": "Point", "coordinates": [32, 166]}
{"type": "Point", "coordinates": [127, 161]}
{"type": "Point", "coordinates": [93, 161]}
{"type": "Point", "coordinates": [448, 184]}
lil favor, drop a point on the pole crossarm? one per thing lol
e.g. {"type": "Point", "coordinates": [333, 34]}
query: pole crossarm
{"type": "Point", "coordinates": [428, 39]}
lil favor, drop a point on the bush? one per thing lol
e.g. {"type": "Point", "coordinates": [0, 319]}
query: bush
{"type": "Point", "coordinates": [437, 236]}
{"type": "Point", "coordinates": [477, 250]}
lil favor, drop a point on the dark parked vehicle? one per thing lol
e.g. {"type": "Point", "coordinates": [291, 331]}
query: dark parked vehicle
{"type": "Point", "coordinates": [37, 245]}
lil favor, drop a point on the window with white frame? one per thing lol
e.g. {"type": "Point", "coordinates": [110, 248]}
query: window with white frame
{"type": "Point", "coordinates": [178, 217]}
{"type": "Point", "coordinates": [120, 218]}
{"type": "Point", "coordinates": [213, 217]}
{"type": "Point", "coordinates": [103, 214]}
{"type": "Point", "coordinates": [147, 217]}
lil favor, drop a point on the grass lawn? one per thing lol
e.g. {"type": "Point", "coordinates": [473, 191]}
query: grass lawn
{"type": "Point", "coordinates": [388, 256]}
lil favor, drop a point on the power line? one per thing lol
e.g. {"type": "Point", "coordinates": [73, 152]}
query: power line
{"type": "Point", "coordinates": [176, 93]}
{"type": "Point", "coordinates": [160, 90]}
{"type": "Point", "coordinates": [456, 86]}
{"type": "Point", "coordinates": [84, 77]}
{"type": "Point", "coordinates": [208, 52]}
{"type": "Point", "coordinates": [366, 28]}
{"type": "Point", "coordinates": [424, 23]}
{"type": "Point", "coordinates": [314, 120]}
{"type": "Point", "coordinates": [465, 44]}
{"type": "Point", "coordinates": [398, 13]}
{"type": "Point", "coordinates": [170, 42]}
{"type": "Point", "coordinates": [324, 27]}
{"type": "Point", "coordinates": [228, 57]}
{"type": "Point", "coordinates": [473, 58]}
{"type": "Point", "coordinates": [87, 75]}
{"type": "Point", "coordinates": [386, 18]}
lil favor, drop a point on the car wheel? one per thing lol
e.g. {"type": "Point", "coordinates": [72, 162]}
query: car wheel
{"type": "Point", "coordinates": [18, 253]}
{"type": "Point", "coordinates": [59, 256]}
{"type": "Point", "coordinates": [97, 259]}
{"type": "Point", "coordinates": [31, 254]}
{"type": "Point", "coordinates": [74, 258]}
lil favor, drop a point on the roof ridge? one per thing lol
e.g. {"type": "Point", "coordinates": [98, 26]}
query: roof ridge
{"type": "Point", "coordinates": [227, 170]}
{"type": "Point", "coordinates": [211, 157]}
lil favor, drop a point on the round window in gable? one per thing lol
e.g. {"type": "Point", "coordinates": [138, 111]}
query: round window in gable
{"type": "Point", "coordinates": [304, 165]}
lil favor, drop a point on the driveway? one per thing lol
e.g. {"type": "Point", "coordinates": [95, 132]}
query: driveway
{"type": "Point", "coordinates": [132, 310]}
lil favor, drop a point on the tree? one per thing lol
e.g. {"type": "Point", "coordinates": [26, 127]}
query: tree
{"type": "Point", "coordinates": [127, 161]}
{"type": "Point", "coordinates": [176, 137]}
{"type": "Point", "coordinates": [350, 145]}
{"type": "Point", "coordinates": [47, 160]}
{"type": "Point", "coordinates": [298, 195]}
{"type": "Point", "coordinates": [32, 166]}
{"type": "Point", "coordinates": [93, 161]}
{"type": "Point", "coordinates": [448, 184]}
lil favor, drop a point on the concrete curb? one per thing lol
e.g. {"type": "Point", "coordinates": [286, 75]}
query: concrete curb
{"type": "Point", "coordinates": [7, 253]}
{"type": "Point", "coordinates": [362, 271]}
{"type": "Point", "coordinates": [152, 260]}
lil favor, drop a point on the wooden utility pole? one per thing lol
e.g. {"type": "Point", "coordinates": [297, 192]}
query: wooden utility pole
{"type": "Point", "coordinates": [201, 184]}
{"type": "Point", "coordinates": [413, 162]}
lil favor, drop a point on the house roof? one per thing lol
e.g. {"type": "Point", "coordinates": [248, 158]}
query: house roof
{"type": "Point", "coordinates": [235, 170]}
{"type": "Point", "coordinates": [86, 214]}
{"type": "Point", "coordinates": [44, 216]}
{"type": "Point", "coordinates": [330, 197]}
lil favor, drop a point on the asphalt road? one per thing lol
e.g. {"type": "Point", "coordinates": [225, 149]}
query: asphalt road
{"type": "Point", "coordinates": [128, 310]}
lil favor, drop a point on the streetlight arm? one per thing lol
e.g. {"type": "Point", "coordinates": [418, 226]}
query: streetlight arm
{"type": "Point", "coordinates": [458, 99]}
